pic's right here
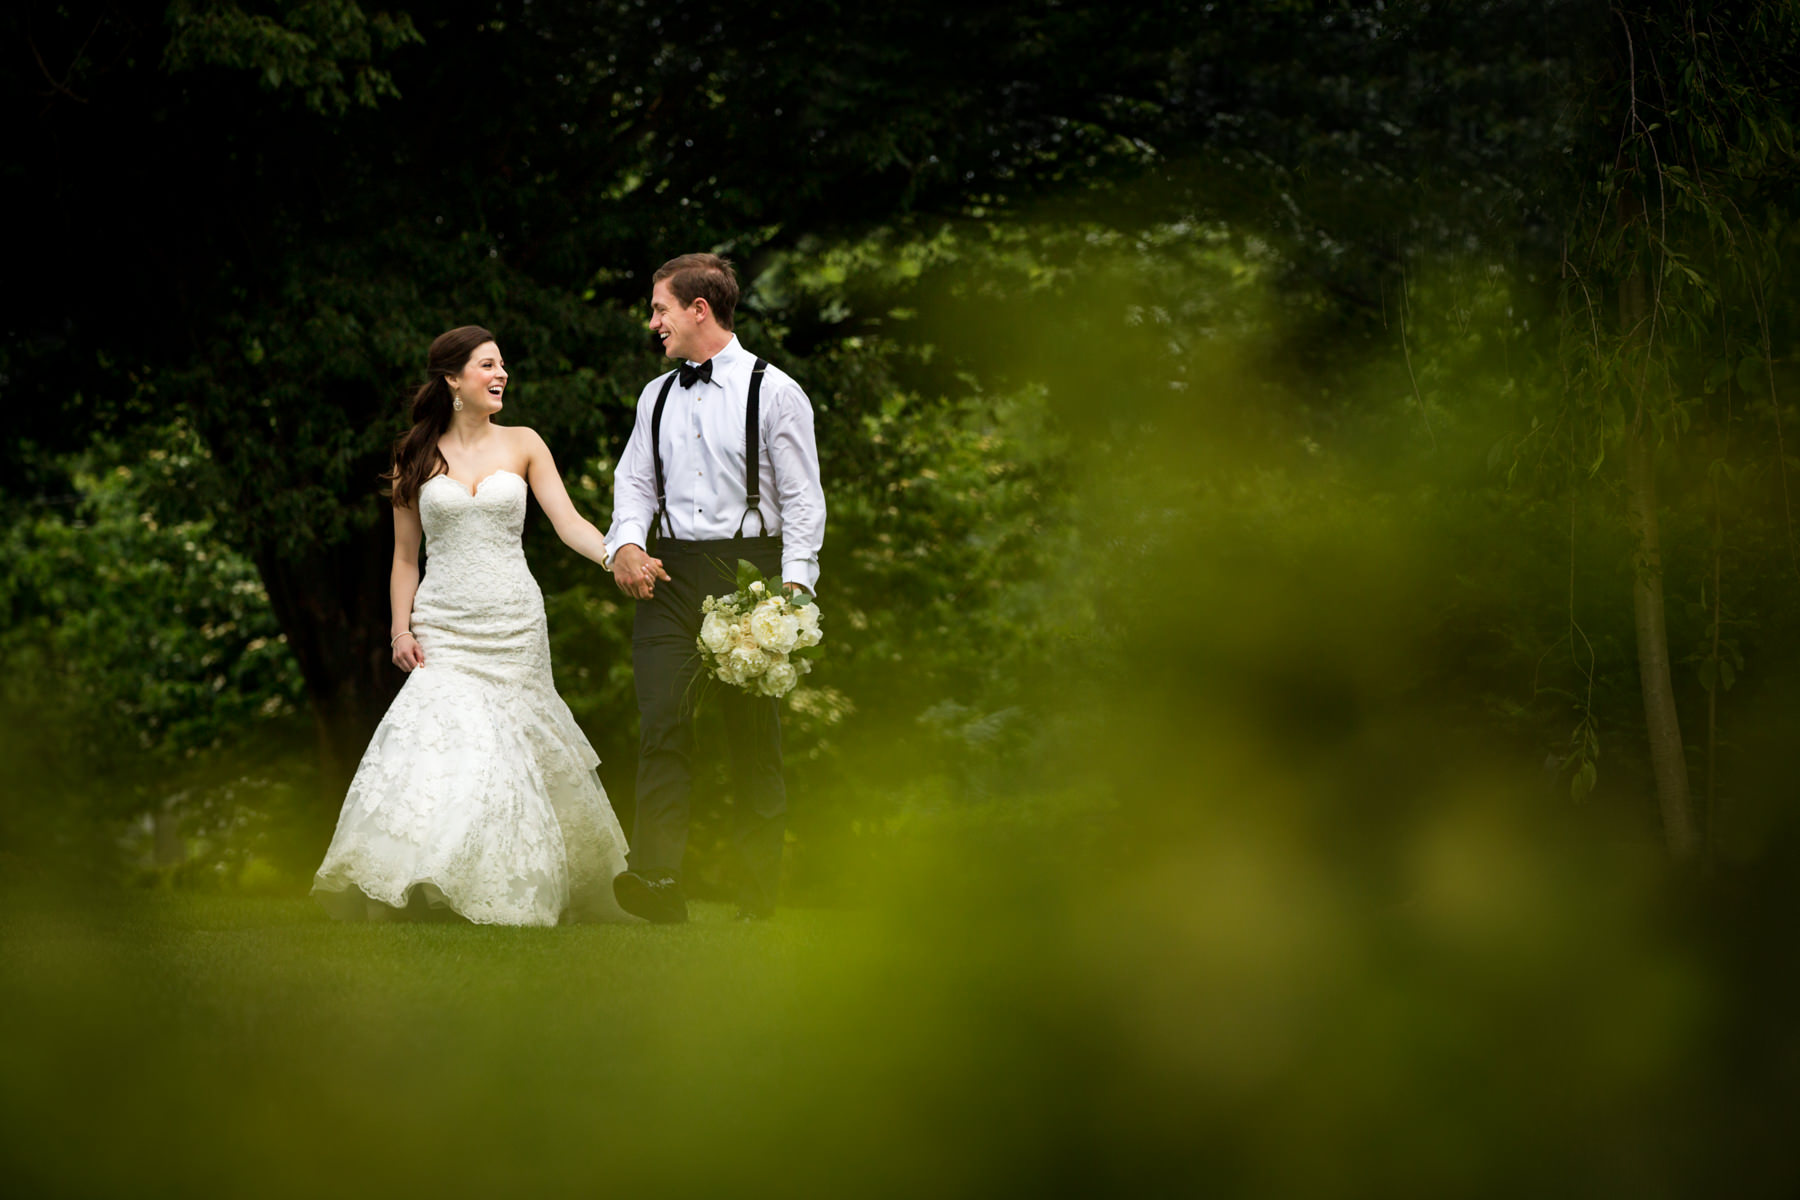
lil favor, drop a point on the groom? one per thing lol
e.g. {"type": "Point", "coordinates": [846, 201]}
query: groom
{"type": "Point", "coordinates": [721, 465]}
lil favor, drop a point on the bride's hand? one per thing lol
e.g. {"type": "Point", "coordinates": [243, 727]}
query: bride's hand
{"type": "Point", "coordinates": [408, 654]}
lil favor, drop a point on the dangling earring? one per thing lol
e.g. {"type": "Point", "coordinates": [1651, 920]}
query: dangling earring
{"type": "Point", "coordinates": [456, 402]}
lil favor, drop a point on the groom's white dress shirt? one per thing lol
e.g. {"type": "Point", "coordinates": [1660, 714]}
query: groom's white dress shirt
{"type": "Point", "coordinates": [703, 465]}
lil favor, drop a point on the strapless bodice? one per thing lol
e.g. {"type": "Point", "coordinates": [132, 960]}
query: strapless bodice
{"type": "Point", "coordinates": [457, 521]}
{"type": "Point", "coordinates": [478, 604]}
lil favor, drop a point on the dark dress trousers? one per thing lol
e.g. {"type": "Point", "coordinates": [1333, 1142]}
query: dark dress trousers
{"type": "Point", "coordinates": [666, 661]}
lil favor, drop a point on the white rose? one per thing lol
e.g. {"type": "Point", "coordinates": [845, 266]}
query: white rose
{"type": "Point", "coordinates": [734, 669]}
{"type": "Point", "coordinates": [758, 587]}
{"type": "Point", "coordinates": [716, 632]}
{"type": "Point", "coordinates": [774, 629]}
{"type": "Point", "coordinates": [747, 663]}
{"type": "Point", "coordinates": [779, 679]}
{"type": "Point", "coordinates": [808, 619]}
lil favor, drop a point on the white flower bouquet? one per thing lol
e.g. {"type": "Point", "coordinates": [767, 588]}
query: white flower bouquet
{"type": "Point", "coordinates": [756, 639]}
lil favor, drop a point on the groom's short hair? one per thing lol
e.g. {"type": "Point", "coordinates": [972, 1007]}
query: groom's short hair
{"type": "Point", "coordinates": [702, 277]}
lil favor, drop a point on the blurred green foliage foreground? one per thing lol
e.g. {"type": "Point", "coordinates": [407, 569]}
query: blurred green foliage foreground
{"type": "Point", "coordinates": [1222, 1019]}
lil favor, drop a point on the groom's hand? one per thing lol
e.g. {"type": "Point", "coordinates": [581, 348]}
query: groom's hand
{"type": "Point", "coordinates": [636, 572]}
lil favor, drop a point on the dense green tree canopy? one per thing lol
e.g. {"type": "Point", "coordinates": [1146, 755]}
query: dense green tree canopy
{"type": "Point", "coordinates": [1406, 227]}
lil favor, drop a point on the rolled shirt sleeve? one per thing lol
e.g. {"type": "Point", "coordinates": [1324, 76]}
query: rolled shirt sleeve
{"type": "Point", "coordinates": [794, 454]}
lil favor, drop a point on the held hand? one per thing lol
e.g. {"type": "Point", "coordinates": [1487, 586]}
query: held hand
{"type": "Point", "coordinates": [791, 587]}
{"type": "Point", "coordinates": [408, 654]}
{"type": "Point", "coordinates": [636, 572]}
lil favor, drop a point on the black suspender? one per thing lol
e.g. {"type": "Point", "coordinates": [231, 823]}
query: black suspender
{"type": "Point", "coordinates": [662, 506]}
{"type": "Point", "coordinates": [752, 453]}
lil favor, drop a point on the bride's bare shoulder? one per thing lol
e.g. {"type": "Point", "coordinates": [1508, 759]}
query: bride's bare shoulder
{"type": "Point", "coordinates": [522, 438]}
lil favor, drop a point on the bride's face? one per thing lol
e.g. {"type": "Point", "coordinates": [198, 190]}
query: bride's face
{"type": "Point", "coordinates": [483, 380]}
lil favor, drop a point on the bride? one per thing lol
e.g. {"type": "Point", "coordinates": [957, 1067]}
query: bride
{"type": "Point", "coordinates": [477, 793]}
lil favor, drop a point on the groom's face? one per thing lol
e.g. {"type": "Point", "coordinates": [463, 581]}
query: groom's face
{"type": "Point", "coordinates": [672, 322]}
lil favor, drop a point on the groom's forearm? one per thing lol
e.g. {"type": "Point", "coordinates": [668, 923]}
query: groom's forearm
{"type": "Point", "coordinates": [626, 531]}
{"type": "Point", "coordinates": [634, 494]}
{"type": "Point", "coordinates": [802, 528]}
{"type": "Point", "coordinates": [803, 571]}
{"type": "Point", "coordinates": [634, 504]}
{"type": "Point", "coordinates": [794, 454]}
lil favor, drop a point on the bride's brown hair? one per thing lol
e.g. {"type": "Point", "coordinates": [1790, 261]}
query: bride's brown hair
{"type": "Point", "coordinates": [416, 454]}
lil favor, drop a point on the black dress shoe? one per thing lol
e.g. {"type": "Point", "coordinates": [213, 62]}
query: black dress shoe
{"type": "Point", "coordinates": [655, 898]}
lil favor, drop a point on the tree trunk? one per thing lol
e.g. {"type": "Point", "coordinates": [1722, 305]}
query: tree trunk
{"type": "Point", "coordinates": [1668, 759]}
{"type": "Point", "coordinates": [333, 605]}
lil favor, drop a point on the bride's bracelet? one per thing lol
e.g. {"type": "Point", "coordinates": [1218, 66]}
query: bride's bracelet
{"type": "Point", "coordinates": [395, 640]}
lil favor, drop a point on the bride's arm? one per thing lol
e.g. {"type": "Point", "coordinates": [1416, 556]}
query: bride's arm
{"type": "Point", "coordinates": [403, 585]}
{"type": "Point", "coordinates": [576, 531]}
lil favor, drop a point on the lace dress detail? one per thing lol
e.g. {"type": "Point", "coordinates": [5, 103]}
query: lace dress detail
{"type": "Point", "coordinates": [478, 788]}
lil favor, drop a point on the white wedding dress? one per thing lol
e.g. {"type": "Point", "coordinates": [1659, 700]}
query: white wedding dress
{"type": "Point", "coordinates": [478, 788]}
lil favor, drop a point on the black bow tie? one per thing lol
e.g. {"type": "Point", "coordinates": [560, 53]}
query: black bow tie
{"type": "Point", "coordinates": [690, 373]}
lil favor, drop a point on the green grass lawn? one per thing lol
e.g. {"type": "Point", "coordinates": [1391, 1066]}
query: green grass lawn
{"type": "Point", "coordinates": [1225, 1017]}
{"type": "Point", "coordinates": [171, 1044]}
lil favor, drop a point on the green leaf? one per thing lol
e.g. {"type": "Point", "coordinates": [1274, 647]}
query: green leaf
{"type": "Point", "coordinates": [747, 574]}
{"type": "Point", "coordinates": [1751, 374]}
{"type": "Point", "coordinates": [1583, 784]}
